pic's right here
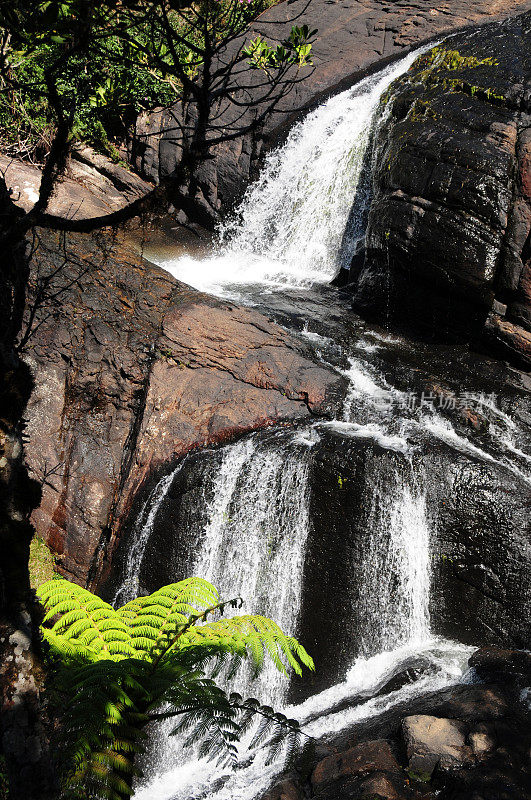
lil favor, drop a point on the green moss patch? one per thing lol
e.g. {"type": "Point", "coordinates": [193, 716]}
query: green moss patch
{"type": "Point", "coordinates": [41, 565]}
{"type": "Point", "coordinates": [441, 58]}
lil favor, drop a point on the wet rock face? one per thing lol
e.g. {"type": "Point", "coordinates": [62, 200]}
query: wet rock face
{"type": "Point", "coordinates": [478, 529]}
{"type": "Point", "coordinates": [133, 370]}
{"type": "Point", "coordinates": [354, 37]}
{"type": "Point", "coordinates": [447, 246]}
{"type": "Point", "coordinates": [480, 560]}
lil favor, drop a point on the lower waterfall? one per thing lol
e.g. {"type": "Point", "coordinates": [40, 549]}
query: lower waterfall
{"type": "Point", "coordinates": [253, 544]}
{"type": "Point", "coordinates": [395, 595]}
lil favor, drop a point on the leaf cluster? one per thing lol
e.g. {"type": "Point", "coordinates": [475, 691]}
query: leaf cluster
{"type": "Point", "coordinates": [157, 658]}
{"type": "Point", "coordinates": [108, 61]}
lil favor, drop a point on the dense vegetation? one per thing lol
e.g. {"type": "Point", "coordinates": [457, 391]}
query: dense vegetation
{"type": "Point", "coordinates": [154, 659]}
{"type": "Point", "coordinates": [127, 67]}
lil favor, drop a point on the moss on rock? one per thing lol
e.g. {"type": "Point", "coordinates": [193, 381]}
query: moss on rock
{"type": "Point", "coordinates": [41, 563]}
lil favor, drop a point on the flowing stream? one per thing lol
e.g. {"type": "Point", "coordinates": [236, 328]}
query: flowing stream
{"type": "Point", "coordinates": [295, 228]}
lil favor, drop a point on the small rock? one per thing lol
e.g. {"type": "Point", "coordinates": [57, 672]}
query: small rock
{"type": "Point", "coordinates": [434, 741]}
{"type": "Point", "coordinates": [360, 760]}
{"type": "Point", "coordinates": [482, 744]}
{"type": "Point", "coordinates": [499, 308]}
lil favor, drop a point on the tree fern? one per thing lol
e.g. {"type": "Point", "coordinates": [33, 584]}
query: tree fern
{"type": "Point", "coordinates": [122, 669]}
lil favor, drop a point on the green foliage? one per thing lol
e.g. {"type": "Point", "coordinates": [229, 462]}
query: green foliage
{"type": "Point", "coordinates": [41, 563]}
{"type": "Point", "coordinates": [296, 49]}
{"type": "Point", "coordinates": [105, 85]}
{"type": "Point", "coordinates": [155, 658]}
{"type": "Point", "coordinates": [103, 63]}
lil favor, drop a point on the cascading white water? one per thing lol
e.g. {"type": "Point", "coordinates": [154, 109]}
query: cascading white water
{"type": "Point", "coordinates": [252, 546]}
{"type": "Point", "coordinates": [394, 597]}
{"type": "Point", "coordinates": [290, 226]}
{"type": "Point", "coordinates": [255, 538]}
{"type": "Point", "coordinates": [288, 232]}
{"type": "Point", "coordinates": [142, 530]}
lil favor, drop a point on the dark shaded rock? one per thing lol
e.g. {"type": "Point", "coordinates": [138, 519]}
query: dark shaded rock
{"type": "Point", "coordinates": [491, 662]}
{"type": "Point", "coordinates": [286, 790]}
{"type": "Point", "coordinates": [380, 785]}
{"type": "Point", "coordinates": [480, 581]}
{"type": "Point", "coordinates": [479, 550]}
{"type": "Point", "coordinates": [358, 761]}
{"type": "Point", "coordinates": [448, 231]}
{"type": "Point", "coordinates": [434, 742]}
{"type": "Point", "coordinates": [133, 370]}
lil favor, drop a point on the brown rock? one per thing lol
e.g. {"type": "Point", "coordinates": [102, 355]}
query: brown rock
{"type": "Point", "coordinates": [358, 761]}
{"type": "Point", "coordinates": [508, 340]}
{"type": "Point", "coordinates": [379, 786]}
{"type": "Point", "coordinates": [132, 371]}
{"type": "Point", "coordinates": [481, 743]}
{"type": "Point", "coordinates": [286, 790]}
{"type": "Point", "coordinates": [433, 741]}
{"type": "Point", "coordinates": [93, 185]}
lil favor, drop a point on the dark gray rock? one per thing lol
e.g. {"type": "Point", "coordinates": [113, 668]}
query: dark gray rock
{"type": "Point", "coordinates": [492, 662]}
{"type": "Point", "coordinates": [449, 226]}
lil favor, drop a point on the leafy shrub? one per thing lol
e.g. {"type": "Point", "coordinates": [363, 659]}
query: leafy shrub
{"type": "Point", "coordinates": [108, 83]}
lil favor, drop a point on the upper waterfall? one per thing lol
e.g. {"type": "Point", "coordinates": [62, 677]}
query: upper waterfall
{"type": "Point", "coordinates": [296, 224]}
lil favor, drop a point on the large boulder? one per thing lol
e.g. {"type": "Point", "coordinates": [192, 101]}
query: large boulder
{"type": "Point", "coordinates": [133, 370]}
{"type": "Point", "coordinates": [92, 186]}
{"type": "Point", "coordinates": [355, 37]}
{"type": "Point", "coordinates": [447, 245]}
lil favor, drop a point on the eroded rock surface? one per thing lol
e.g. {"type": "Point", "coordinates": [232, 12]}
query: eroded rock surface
{"type": "Point", "coordinates": [93, 185]}
{"type": "Point", "coordinates": [132, 371]}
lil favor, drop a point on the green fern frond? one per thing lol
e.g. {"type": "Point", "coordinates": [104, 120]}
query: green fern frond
{"type": "Point", "coordinates": [122, 667]}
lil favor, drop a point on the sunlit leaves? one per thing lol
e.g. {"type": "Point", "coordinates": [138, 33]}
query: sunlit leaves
{"type": "Point", "coordinates": [148, 660]}
{"type": "Point", "coordinates": [296, 49]}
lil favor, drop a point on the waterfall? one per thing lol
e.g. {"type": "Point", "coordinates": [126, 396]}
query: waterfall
{"type": "Point", "coordinates": [251, 539]}
{"type": "Point", "coordinates": [295, 225]}
{"type": "Point", "coordinates": [395, 592]}
{"type": "Point", "coordinates": [255, 538]}
{"type": "Point", "coordinates": [129, 587]}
